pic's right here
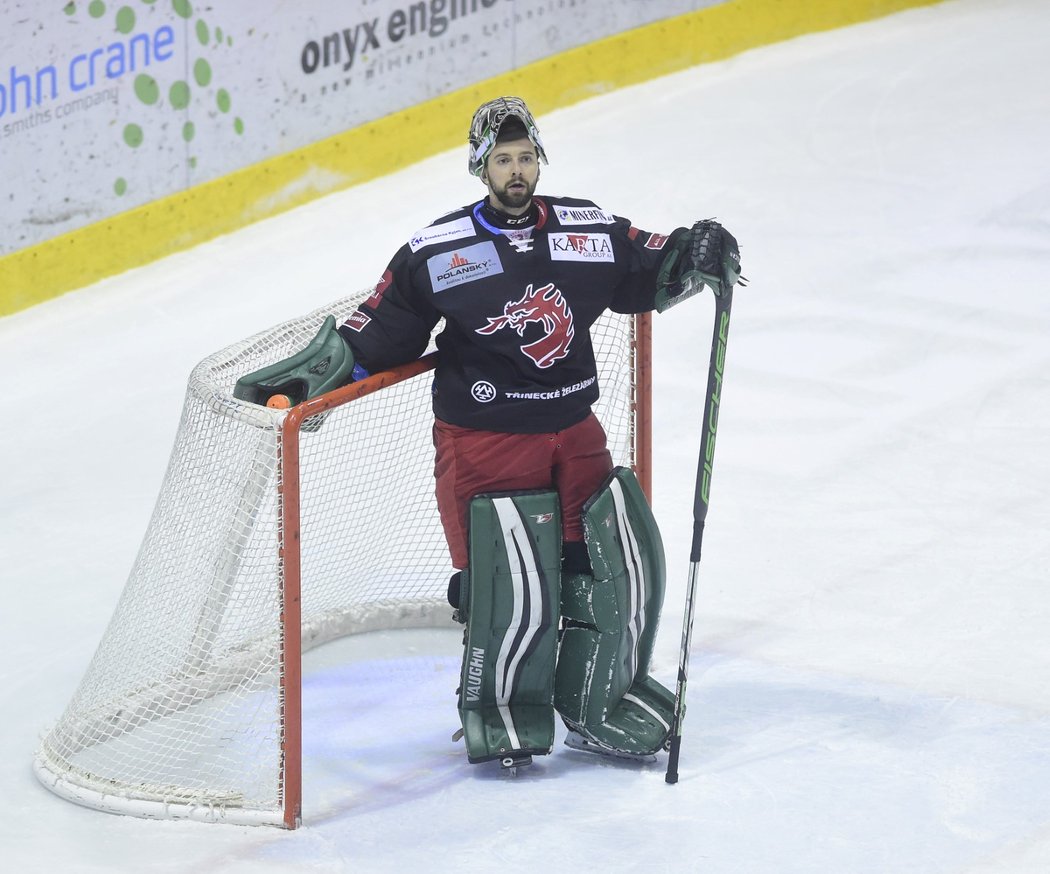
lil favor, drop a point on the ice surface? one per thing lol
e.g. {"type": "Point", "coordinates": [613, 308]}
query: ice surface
{"type": "Point", "coordinates": [870, 683]}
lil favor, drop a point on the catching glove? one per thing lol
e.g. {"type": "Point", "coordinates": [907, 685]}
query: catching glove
{"type": "Point", "coordinates": [326, 363]}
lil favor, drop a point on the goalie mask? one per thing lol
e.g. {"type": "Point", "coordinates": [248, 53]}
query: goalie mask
{"type": "Point", "coordinates": [485, 128]}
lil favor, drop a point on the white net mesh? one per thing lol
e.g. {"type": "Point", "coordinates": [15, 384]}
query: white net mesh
{"type": "Point", "coordinates": [180, 711]}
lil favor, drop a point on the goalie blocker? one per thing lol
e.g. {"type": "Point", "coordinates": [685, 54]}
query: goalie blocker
{"type": "Point", "coordinates": [515, 674]}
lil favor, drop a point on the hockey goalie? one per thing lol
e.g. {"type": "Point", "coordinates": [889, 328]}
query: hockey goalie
{"type": "Point", "coordinates": [559, 564]}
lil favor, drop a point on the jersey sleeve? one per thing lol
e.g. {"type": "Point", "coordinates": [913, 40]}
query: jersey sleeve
{"type": "Point", "coordinates": [393, 326]}
{"type": "Point", "coordinates": [644, 252]}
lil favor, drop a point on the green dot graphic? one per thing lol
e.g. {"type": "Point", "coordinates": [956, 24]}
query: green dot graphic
{"type": "Point", "coordinates": [126, 19]}
{"type": "Point", "coordinates": [238, 125]}
{"type": "Point", "coordinates": [218, 34]}
{"type": "Point", "coordinates": [70, 8]}
{"type": "Point", "coordinates": [202, 32]}
{"type": "Point", "coordinates": [193, 163]}
{"type": "Point", "coordinates": [133, 135]}
{"type": "Point", "coordinates": [188, 130]}
{"type": "Point", "coordinates": [202, 72]}
{"type": "Point", "coordinates": [120, 186]}
{"type": "Point", "coordinates": [146, 89]}
{"type": "Point", "coordinates": [96, 9]}
{"type": "Point", "coordinates": [223, 100]}
{"type": "Point", "coordinates": [182, 8]}
{"type": "Point", "coordinates": [179, 95]}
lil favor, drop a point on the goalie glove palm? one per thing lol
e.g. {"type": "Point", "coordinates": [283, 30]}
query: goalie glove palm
{"type": "Point", "coordinates": [715, 255]}
{"type": "Point", "coordinates": [706, 254]}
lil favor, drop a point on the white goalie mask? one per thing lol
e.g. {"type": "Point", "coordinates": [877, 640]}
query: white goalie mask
{"type": "Point", "coordinates": [485, 126]}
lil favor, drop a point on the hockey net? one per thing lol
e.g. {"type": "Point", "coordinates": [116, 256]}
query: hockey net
{"type": "Point", "coordinates": [274, 531]}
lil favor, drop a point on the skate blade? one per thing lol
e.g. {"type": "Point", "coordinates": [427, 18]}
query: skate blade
{"type": "Point", "coordinates": [576, 741]}
{"type": "Point", "coordinates": [513, 763]}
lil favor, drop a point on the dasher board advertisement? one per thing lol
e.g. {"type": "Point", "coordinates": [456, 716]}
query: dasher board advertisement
{"type": "Point", "coordinates": [107, 106]}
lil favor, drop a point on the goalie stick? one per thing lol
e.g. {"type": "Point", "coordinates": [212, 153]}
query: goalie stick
{"type": "Point", "coordinates": [708, 432]}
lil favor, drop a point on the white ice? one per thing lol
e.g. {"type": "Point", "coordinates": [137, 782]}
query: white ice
{"type": "Point", "coordinates": [870, 689]}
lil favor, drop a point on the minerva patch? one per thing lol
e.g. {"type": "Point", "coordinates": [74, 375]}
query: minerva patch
{"type": "Point", "coordinates": [453, 268]}
{"type": "Point", "coordinates": [582, 215]}
{"type": "Point", "coordinates": [456, 230]}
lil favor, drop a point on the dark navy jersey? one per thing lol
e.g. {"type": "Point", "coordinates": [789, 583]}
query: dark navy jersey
{"type": "Point", "coordinates": [518, 296]}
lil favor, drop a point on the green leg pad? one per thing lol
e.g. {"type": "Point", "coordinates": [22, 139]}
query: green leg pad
{"type": "Point", "coordinates": [512, 593]}
{"type": "Point", "coordinates": [603, 687]}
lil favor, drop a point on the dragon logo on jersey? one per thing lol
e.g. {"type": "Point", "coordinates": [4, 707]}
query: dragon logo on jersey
{"type": "Point", "coordinates": [547, 307]}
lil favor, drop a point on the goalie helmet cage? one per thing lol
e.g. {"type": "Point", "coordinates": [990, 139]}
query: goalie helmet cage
{"type": "Point", "coordinates": [274, 532]}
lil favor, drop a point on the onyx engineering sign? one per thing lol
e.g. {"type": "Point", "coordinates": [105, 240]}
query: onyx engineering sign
{"type": "Point", "coordinates": [344, 46]}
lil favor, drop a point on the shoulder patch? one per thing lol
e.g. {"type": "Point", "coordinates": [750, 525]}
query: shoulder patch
{"type": "Point", "coordinates": [582, 215]}
{"type": "Point", "coordinates": [581, 247]}
{"type": "Point", "coordinates": [448, 269]}
{"type": "Point", "coordinates": [442, 233]}
{"type": "Point", "coordinates": [377, 293]}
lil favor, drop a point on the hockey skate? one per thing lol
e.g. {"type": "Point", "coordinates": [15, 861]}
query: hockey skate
{"type": "Point", "coordinates": [576, 741]}
{"type": "Point", "coordinates": [513, 762]}
{"type": "Point", "coordinates": [510, 763]}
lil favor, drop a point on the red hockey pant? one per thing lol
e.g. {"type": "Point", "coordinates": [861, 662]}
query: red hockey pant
{"type": "Point", "coordinates": [469, 463]}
